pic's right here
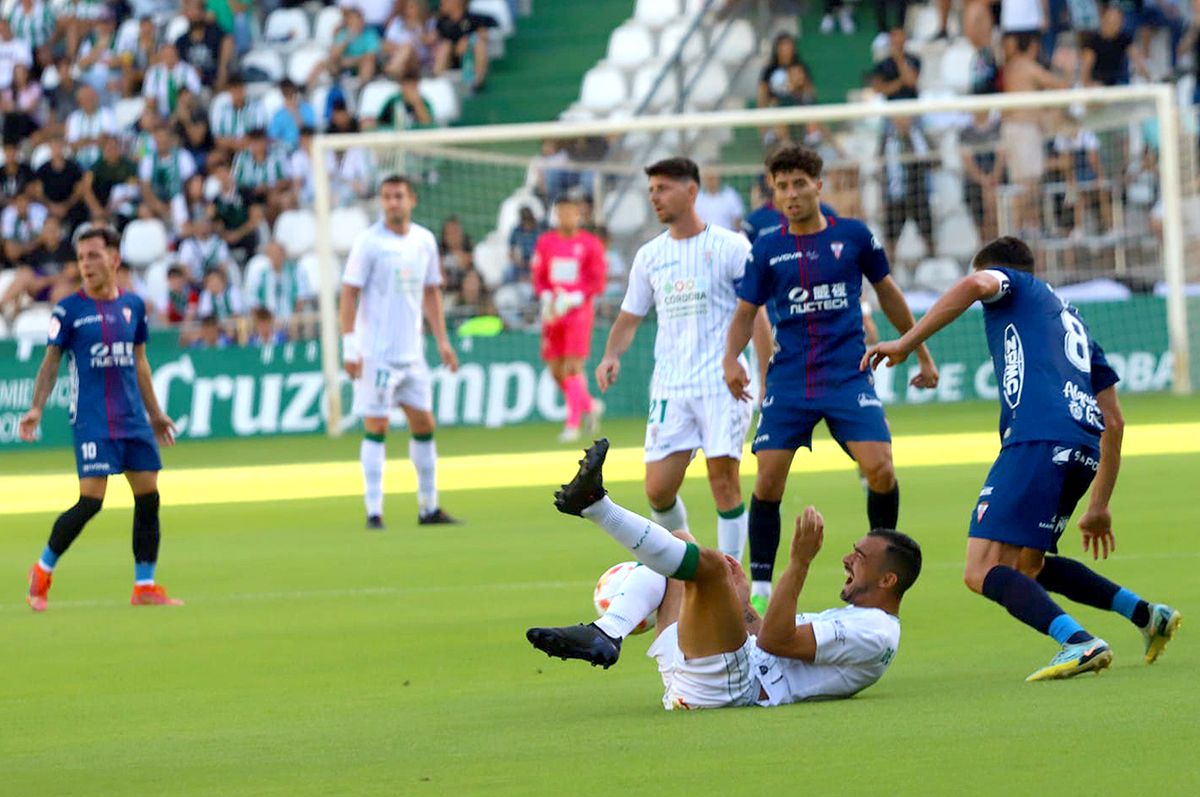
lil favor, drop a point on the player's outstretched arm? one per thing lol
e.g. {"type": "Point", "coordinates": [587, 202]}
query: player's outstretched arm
{"type": "Point", "coordinates": [432, 305]}
{"type": "Point", "coordinates": [620, 337]}
{"type": "Point", "coordinates": [741, 329]}
{"type": "Point", "coordinates": [163, 426]}
{"type": "Point", "coordinates": [43, 385]}
{"type": "Point", "coordinates": [347, 309]}
{"type": "Point", "coordinates": [895, 307]}
{"type": "Point", "coordinates": [780, 635]}
{"type": "Point", "coordinates": [1096, 522]}
{"type": "Point", "coordinates": [950, 306]}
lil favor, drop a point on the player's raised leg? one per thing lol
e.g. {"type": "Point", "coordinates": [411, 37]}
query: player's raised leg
{"type": "Point", "coordinates": [146, 537]}
{"type": "Point", "coordinates": [67, 527]}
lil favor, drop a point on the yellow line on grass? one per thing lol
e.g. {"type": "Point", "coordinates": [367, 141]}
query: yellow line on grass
{"type": "Point", "coordinates": [217, 485]}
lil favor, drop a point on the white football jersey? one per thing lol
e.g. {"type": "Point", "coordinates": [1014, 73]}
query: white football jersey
{"type": "Point", "coordinates": [854, 648]}
{"type": "Point", "coordinates": [691, 283]}
{"type": "Point", "coordinates": [392, 271]}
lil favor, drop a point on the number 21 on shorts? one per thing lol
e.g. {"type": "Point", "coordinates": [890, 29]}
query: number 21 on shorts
{"type": "Point", "coordinates": [658, 411]}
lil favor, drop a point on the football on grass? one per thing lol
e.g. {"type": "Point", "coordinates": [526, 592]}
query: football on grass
{"type": "Point", "coordinates": [610, 585]}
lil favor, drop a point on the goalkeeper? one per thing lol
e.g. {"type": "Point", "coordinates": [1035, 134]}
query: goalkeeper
{"type": "Point", "coordinates": [568, 270]}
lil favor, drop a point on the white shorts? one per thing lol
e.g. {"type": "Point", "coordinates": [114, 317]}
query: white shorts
{"type": "Point", "coordinates": [716, 423]}
{"type": "Point", "coordinates": [381, 387]}
{"type": "Point", "coordinates": [722, 681]}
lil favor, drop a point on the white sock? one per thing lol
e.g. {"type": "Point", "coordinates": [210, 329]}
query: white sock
{"type": "Point", "coordinates": [640, 595]}
{"type": "Point", "coordinates": [760, 589]}
{"type": "Point", "coordinates": [650, 543]}
{"type": "Point", "coordinates": [732, 531]}
{"type": "Point", "coordinates": [372, 456]}
{"type": "Point", "coordinates": [423, 454]}
{"type": "Point", "coordinates": [674, 518]}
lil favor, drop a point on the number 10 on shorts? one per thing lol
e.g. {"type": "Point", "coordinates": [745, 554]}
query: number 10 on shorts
{"type": "Point", "coordinates": [87, 450]}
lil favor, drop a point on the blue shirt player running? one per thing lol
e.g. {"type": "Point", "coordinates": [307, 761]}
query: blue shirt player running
{"type": "Point", "coordinates": [809, 276]}
{"type": "Point", "coordinates": [114, 414]}
{"type": "Point", "coordinates": [1060, 431]}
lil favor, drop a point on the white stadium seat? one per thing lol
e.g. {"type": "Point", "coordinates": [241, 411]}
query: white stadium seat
{"type": "Point", "coordinates": [924, 24]}
{"type": "Point", "coordinates": [655, 14]}
{"type": "Point", "coordinates": [603, 89]}
{"type": "Point", "coordinates": [647, 80]}
{"type": "Point", "coordinates": [626, 214]}
{"type": "Point", "coordinates": [155, 278]}
{"type": "Point", "coordinates": [317, 99]}
{"type": "Point", "coordinates": [491, 259]}
{"type": "Point", "coordinates": [175, 28]}
{"type": "Point", "coordinates": [259, 264]}
{"type": "Point", "coordinates": [271, 101]}
{"type": "Point", "coordinates": [708, 84]}
{"type": "Point", "coordinates": [262, 66]}
{"type": "Point", "coordinates": [672, 37]}
{"type": "Point", "coordinates": [630, 46]}
{"type": "Point", "coordinates": [736, 44]}
{"type": "Point", "coordinates": [937, 274]}
{"type": "Point", "coordinates": [345, 225]}
{"type": "Point", "coordinates": [297, 231]}
{"type": "Point", "coordinates": [442, 98]}
{"type": "Point", "coordinates": [956, 237]}
{"type": "Point", "coordinates": [39, 157]}
{"type": "Point", "coordinates": [32, 324]}
{"type": "Point", "coordinates": [288, 27]}
{"type": "Point", "coordinates": [302, 62]}
{"type": "Point", "coordinates": [956, 67]}
{"type": "Point", "coordinates": [143, 242]}
{"type": "Point", "coordinates": [326, 25]}
{"type": "Point", "coordinates": [374, 96]}
{"type": "Point", "coordinates": [128, 110]}
{"type": "Point", "coordinates": [310, 264]}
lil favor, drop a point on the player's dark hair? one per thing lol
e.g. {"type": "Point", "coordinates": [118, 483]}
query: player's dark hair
{"type": "Point", "coordinates": [903, 557]}
{"type": "Point", "coordinates": [796, 159]}
{"type": "Point", "coordinates": [1006, 251]}
{"type": "Point", "coordinates": [106, 234]}
{"type": "Point", "coordinates": [398, 179]}
{"type": "Point", "coordinates": [676, 169]}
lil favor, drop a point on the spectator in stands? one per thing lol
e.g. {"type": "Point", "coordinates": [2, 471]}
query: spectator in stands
{"type": "Point", "coordinates": [166, 76]}
{"type": "Point", "coordinates": [36, 23]}
{"type": "Point", "coordinates": [21, 222]}
{"type": "Point", "coordinates": [221, 300]}
{"type": "Point", "coordinates": [204, 251]}
{"type": "Point", "coordinates": [282, 288]}
{"type": "Point", "coordinates": [474, 294]}
{"type": "Point", "coordinates": [351, 171]}
{"type": "Point", "coordinates": [896, 76]}
{"type": "Point", "coordinates": [1077, 152]}
{"type": "Point", "coordinates": [1021, 132]}
{"type": "Point", "coordinates": [261, 174]}
{"type": "Point", "coordinates": [205, 46]}
{"type": "Point", "coordinates": [773, 80]}
{"type": "Point", "coordinates": [113, 193]}
{"type": "Point", "coordinates": [238, 221]}
{"type": "Point", "coordinates": [14, 52]}
{"type": "Point", "coordinates": [190, 123]}
{"type": "Point", "coordinates": [799, 90]}
{"type": "Point", "coordinates": [263, 330]}
{"type": "Point", "coordinates": [908, 161]}
{"type": "Point", "coordinates": [456, 249]}
{"type": "Point", "coordinates": [409, 41]}
{"type": "Point", "coordinates": [132, 283]}
{"type": "Point", "coordinates": [87, 124]}
{"type": "Point", "coordinates": [293, 116]}
{"type": "Point", "coordinates": [62, 186]}
{"type": "Point", "coordinates": [179, 304]}
{"type": "Point", "coordinates": [1169, 15]}
{"type": "Point", "coordinates": [137, 55]}
{"type": "Point", "coordinates": [719, 204]}
{"type": "Point", "coordinates": [1106, 55]}
{"type": "Point", "coordinates": [521, 243]}
{"type": "Point", "coordinates": [233, 115]}
{"type": "Point", "coordinates": [463, 42]}
{"type": "Point", "coordinates": [163, 172]}
{"type": "Point", "coordinates": [355, 50]}
{"type": "Point", "coordinates": [376, 13]}
{"type": "Point", "coordinates": [42, 269]}
{"type": "Point", "coordinates": [189, 206]}
{"type": "Point", "coordinates": [300, 168]}
{"type": "Point", "coordinates": [983, 170]}
{"type": "Point", "coordinates": [617, 269]}
{"type": "Point", "coordinates": [99, 57]}
{"type": "Point", "coordinates": [978, 27]}
{"type": "Point", "coordinates": [900, 9]}
{"type": "Point", "coordinates": [22, 108]}
{"type": "Point", "coordinates": [235, 18]}
{"type": "Point", "coordinates": [15, 173]}
{"type": "Point", "coordinates": [844, 17]}
{"type": "Point", "coordinates": [210, 335]}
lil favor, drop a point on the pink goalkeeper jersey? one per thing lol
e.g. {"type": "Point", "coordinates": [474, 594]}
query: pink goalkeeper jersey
{"type": "Point", "coordinates": [569, 264]}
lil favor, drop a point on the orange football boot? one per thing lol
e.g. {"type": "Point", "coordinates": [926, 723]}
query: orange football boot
{"type": "Point", "coordinates": [152, 595]}
{"type": "Point", "coordinates": [39, 588]}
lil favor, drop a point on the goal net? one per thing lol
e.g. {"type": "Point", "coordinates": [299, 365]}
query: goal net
{"type": "Point", "coordinates": [1101, 182]}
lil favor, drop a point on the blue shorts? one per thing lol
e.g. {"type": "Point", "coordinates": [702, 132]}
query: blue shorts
{"type": "Point", "coordinates": [785, 425]}
{"type": "Point", "coordinates": [108, 457]}
{"type": "Point", "coordinates": [1031, 491]}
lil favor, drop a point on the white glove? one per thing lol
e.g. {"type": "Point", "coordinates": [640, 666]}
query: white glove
{"type": "Point", "coordinates": [547, 300]}
{"type": "Point", "coordinates": [350, 350]}
{"type": "Point", "coordinates": [566, 301]}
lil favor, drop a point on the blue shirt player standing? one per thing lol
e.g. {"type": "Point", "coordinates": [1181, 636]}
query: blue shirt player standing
{"type": "Point", "coordinates": [1060, 431]}
{"type": "Point", "coordinates": [809, 275]}
{"type": "Point", "coordinates": [115, 416]}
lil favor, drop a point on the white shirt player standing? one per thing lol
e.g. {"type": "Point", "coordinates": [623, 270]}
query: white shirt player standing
{"type": "Point", "coordinates": [688, 274]}
{"type": "Point", "coordinates": [392, 279]}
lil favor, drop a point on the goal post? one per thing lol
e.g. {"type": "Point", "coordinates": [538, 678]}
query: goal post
{"type": "Point", "coordinates": [1116, 233]}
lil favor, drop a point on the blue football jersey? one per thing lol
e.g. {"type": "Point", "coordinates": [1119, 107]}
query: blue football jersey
{"type": "Point", "coordinates": [98, 338]}
{"type": "Point", "coordinates": [1048, 368]}
{"type": "Point", "coordinates": [766, 218]}
{"type": "Point", "coordinates": [812, 288]}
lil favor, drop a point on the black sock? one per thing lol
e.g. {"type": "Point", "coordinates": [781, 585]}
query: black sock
{"type": "Point", "coordinates": [1027, 601]}
{"type": "Point", "coordinates": [1078, 582]}
{"type": "Point", "coordinates": [883, 509]}
{"type": "Point", "coordinates": [145, 527]}
{"type": "Point", "coordinates": [68, 525]}
{"type": "Point", "coordinates": [764, 538]}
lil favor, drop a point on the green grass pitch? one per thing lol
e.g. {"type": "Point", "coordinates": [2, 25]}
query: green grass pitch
{"type": "Point", "coordinates": [314, 658]}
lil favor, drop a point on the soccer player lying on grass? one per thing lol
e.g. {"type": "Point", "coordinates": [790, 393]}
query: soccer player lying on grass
{"type": "Point", "coordinates": [712, 649]}
{"type": "Point", "coordinates": [1060, 431]}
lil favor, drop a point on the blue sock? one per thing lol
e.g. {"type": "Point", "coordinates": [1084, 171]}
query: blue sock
{"type": "Point", "coordinates": [49, 559]}
{"type": "Point", "coordinates": [1066, 630]}
{"type": "Point", "coordinates": [1129, 604]}
{"type": "Point", "coordinates": [1027, 601]}
{"type": "Point", "coordinates": [143, 572]}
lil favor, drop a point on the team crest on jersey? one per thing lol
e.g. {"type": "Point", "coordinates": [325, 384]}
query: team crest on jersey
{"type": "Point", "coordinates": [837, 247]}
{"type": "Point", "coordinates": [125, 311]}
{"type": "Point", "coordinates": [980, 510]}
